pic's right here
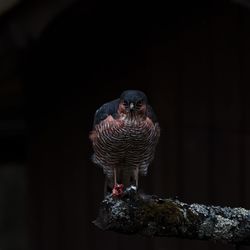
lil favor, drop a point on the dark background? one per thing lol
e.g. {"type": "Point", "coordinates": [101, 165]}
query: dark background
{"type": "Point", "coordinates": [61, 60]}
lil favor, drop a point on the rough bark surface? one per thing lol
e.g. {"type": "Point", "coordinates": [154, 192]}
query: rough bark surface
{"type": "Point", "coordinates": [146, 215]}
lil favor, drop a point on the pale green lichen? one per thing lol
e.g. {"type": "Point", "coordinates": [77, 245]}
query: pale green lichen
{"type": "Point", "coordinates": [200, 210]}
{"type": "Point", "coordinates": [224, 228]}
{"type": "Point", "coordinates": [153, 216]}
{"type": "Point", "coordinates": [118, 210]}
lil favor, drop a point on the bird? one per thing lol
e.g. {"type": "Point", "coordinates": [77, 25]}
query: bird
{"type": "Point", "coordinates": [124, 138]}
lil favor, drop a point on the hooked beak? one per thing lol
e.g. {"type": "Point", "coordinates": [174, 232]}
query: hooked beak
{"type": "Point", "coordinates": [131, 106]}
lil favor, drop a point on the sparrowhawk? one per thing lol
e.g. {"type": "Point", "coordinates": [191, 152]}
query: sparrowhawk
{"type": "Point", "coordinates": [124, 136]}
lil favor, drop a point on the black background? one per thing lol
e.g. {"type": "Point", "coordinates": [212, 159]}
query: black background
{"type": "Point", "coordinates": [192, 60]}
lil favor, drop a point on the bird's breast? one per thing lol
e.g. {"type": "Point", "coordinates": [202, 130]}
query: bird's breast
{"type": "Point", "coordinates": [126, 143]}
{"type": "Point", "coordinates": [124, 132]}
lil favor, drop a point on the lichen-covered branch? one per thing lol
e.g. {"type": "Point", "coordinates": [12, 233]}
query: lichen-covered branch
{"type": "Point", "coordinates": [146, 215]}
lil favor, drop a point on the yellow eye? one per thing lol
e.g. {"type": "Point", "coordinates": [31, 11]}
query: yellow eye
{"type": "Point", "coordinates": [125, 103]}
{"type": "Point", "coordinates": [139, 103]}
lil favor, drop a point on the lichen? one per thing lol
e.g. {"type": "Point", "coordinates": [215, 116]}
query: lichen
{"type": "Point", "coordinates": [118, 210]}
{"type": "Point", "coordinates": [223, 228]}
{"type": "Point", "coordinates": [152, 216]}
{"type": "Point", "coordinates": [192, 217]}
{"type": "Point", "coordinates": [240, 213]}
{"type": "Point", "coordinates": [206, 229]}
{"type": "Point", "coordinates": [200, 210]}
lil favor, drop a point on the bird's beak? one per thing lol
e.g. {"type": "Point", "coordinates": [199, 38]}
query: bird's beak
{"type": "Point", "coordinates": [131, 106]}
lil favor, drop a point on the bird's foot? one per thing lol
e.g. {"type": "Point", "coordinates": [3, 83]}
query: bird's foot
{"type": "Point", "coordinates": [117, 190]}
{"type": "Point", "coordinates": [133, 187]}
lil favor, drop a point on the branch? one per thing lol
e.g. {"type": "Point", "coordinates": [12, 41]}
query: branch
{"type": "Point", "coordinates": [146, 215]}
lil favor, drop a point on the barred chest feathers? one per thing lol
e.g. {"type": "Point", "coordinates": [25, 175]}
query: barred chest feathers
{"type": "Point", "coordinates": [127, 142]}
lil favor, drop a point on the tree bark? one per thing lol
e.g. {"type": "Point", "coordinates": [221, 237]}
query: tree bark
{"type": "Point", "coordinates": [146, 215]}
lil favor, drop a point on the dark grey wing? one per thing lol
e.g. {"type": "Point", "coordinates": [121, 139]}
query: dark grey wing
{"type": "Point", "coordinates": [151, 114]}
{"type": "Point", "coordinates": [109, 108]}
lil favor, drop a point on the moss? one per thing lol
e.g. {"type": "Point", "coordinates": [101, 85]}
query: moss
{"type": "Point", "coordinates": [136, 213]}
{"type": "Point", "coordinates": [192, 217]}
{"type": "Point", "coordinates": [165, 212]}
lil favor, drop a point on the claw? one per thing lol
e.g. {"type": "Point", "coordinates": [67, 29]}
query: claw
{"type": "Point", "coordinates": [117, 190]}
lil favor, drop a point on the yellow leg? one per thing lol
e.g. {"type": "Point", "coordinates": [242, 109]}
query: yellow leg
{"type": "Point", "coordinates": [136, 173]}
{"type": "Point", "coordinates": [115, 177]}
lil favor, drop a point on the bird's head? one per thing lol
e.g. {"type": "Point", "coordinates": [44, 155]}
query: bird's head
{"type": "Point", "coordinates": [133, 102]}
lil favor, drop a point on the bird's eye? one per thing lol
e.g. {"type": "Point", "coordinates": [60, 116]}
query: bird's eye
{"type": "Point", "coordinates": [125, 103]}
{"type": "Point", "coordinates": [139, 103]}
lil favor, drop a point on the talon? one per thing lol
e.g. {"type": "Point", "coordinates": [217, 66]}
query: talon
{"type": "Point", "coordinates": [117, 190]}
